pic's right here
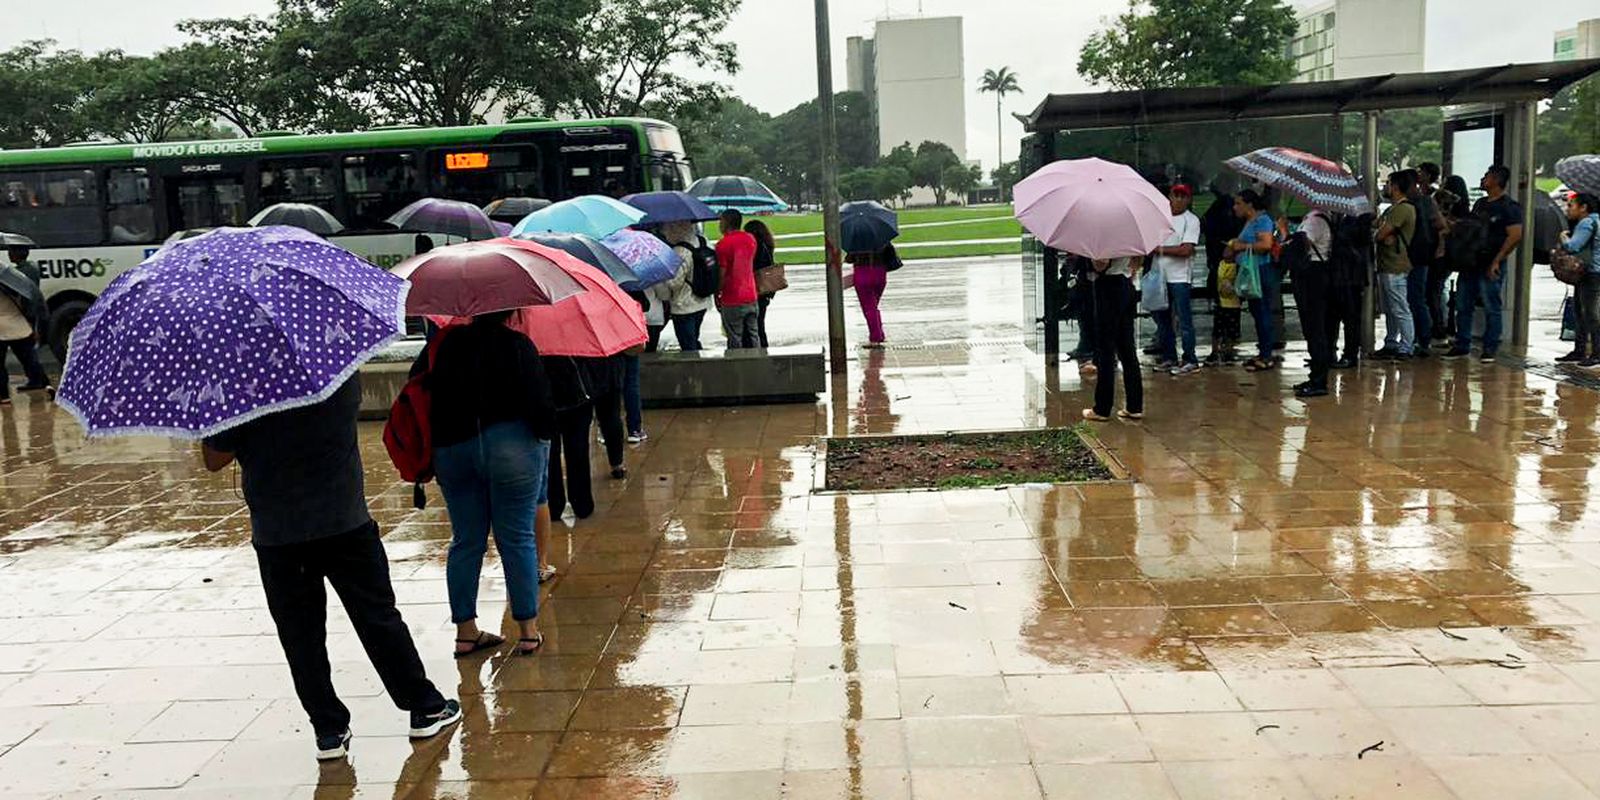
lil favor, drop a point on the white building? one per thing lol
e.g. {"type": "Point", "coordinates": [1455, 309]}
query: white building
{"type": "Point", "coordinates": [1580, 42]}
{"type": "Point", "coordinates": [1360, 38]}
{"type": "Point", "coordinates": [913, 72]}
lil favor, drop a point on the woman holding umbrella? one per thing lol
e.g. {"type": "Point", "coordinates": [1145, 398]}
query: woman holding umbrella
{"type": "Point", "coordinates": [866, 232]}
{"type": "Point", "coordinates": [1110, 214]}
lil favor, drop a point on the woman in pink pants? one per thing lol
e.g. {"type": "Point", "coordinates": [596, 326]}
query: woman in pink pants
{"type": "Point", "coordinates": [871, 276]}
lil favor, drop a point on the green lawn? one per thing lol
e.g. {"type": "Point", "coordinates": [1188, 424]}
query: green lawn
{"type": "Point", "coordinates": [977, 222]}
{"type": "Point", "coordinates": [1548, 185]}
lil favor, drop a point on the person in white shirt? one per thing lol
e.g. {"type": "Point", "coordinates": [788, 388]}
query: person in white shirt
{"type": "Point", "coordinates": [1174, 259]}
{"type": "Point", "coordinates": [1312, 289]}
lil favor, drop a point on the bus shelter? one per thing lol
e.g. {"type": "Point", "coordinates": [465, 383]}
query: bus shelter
{"type": "Point", "coordinates": [1173, 135]}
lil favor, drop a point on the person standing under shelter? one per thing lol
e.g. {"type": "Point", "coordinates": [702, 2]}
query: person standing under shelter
{"type": "Point", "coordinates": [1396, 228]}
{"type": "Point", "coordinates": [1256, 244]}
{"type": "Point", "coordinates": [1583, 241]}
{"type": "Point", "coordinates": [1307, 253]}
{"type": "Point", "coordinates": [1426, 251]}
{"type": "Point", "coordinates": [736, 299]}
{"type": "Point", "coordinates": [1114, 341]}
{"type": "Point", "coordinates": [302, 480]}
{"type": "Point", "coordinates": [1485, 282]}
{"type": "Point", "coordinates": [1173, 260]}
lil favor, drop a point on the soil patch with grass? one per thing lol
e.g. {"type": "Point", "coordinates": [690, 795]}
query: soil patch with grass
{"type": "Point", "coordinates": [962, 460]}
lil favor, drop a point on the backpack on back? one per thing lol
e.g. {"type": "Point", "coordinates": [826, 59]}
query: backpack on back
{"type": "Point", "coordinates": [1424, 242]}
{"type": "Point", "coordinates": [408, 434]}
{"type": "Point", "coordinates": [705, 276]}
{"type": "Point", "coordinates": [1466, 249]}
{"type": "Point", "coordinates": [1352, 255]}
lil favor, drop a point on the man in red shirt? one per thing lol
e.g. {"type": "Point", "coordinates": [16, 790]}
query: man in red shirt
{"type": "Point", "coordinates": [736, 255]}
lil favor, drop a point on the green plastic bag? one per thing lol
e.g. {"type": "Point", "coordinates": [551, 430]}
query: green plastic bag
{"type": "Point", "coordinates": [1248, 284]}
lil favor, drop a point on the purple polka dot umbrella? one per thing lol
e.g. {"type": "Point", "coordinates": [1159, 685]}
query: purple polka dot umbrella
{"type": "Point", "coordinates": [224, 328]}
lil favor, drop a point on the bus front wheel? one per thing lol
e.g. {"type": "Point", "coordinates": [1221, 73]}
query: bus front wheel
{"type": "Point", "coordinates": [63, 319]}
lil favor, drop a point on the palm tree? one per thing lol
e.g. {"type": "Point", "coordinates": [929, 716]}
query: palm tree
{"type": "Point", "coordinates": [1002, 82]}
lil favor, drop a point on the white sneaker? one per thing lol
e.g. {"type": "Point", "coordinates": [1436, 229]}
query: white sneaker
{"type": "Point", "coordinates": [1186, 368]}
{"type": "Point", "coordinates": [637, 437]}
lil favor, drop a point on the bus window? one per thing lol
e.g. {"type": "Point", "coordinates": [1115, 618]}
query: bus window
{"type": "Point", "coordinates": [378, 184]}
{"type": "Point", "coordinates": [667, 163]}
{"type": "Point", "coordinates": [128, 210]}
{"type": "Point", "coordinates": [478, 175]}
{"type": "Point", "coordinates": [298, 180]}
{"type": "Point", "coordinates": [599, 160]}
{"type": "Point", "coordinates": [54, 208]}
{"type": "Point", "coordinates": [205, 202]}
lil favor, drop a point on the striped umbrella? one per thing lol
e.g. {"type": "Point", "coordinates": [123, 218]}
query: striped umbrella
{"type": "Point", "coordinates": [1318, 182]}
{"type": "Point", "coordinates": [1580, 173]}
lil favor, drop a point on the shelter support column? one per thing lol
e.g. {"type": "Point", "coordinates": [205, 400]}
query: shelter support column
{"type": "Point", "coordinates": [1524, 116]}
{"type": "Point", "coordinates": [1052, 269]}
{"type": "Point", "coordinates": [1369, 171]}
{"type": "Point", "coordinates": [837, 354]}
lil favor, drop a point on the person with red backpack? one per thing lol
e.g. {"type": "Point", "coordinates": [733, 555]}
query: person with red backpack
{"type": "Point", "coordinates": [492, 420]}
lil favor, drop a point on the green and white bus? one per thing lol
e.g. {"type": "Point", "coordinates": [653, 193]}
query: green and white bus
{"type": "Point", "coordinates": [96, 209]}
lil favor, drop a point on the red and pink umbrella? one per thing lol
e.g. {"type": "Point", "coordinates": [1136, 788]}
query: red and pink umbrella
{"type": "Point", "coordinates": [1093, 208]}
{"type": "Point", "coordinates": [601, 320]}
{"type": "Point", "coordinates": [1315, 180]}
{"type": "Point", "coordinates": [464, 280]}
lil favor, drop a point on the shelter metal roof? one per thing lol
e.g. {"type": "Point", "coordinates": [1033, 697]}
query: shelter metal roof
{"type": "Point", "coordinates": [1502, 84]}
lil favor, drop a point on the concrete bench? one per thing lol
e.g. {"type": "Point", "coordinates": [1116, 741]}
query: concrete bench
{"type": "Point", "coordinates": [669, 379]}
{"type": "Point", "coordinates": [732, 377]}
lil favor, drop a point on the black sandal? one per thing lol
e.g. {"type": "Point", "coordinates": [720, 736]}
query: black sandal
{"type": "Point", "coordinates": [485, 641]}
{"type": "Point", "coordinates": [538, 644]}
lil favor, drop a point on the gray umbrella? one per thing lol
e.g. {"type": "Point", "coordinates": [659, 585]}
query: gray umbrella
{"type": "Point", "coordinates": [1580, 173]}
{"type": "Point", "coordinates": [301, 215]}
{"type": "Point", "coordinates": [513, 209]}
{"type": "Point", "coordinates": [15, 284]}
{"type": "Point", "coordinates": [15, 240]}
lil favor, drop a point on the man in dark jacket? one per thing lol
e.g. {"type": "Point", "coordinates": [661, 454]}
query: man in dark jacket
{"type": "Point", "coordinates": [22, 323]}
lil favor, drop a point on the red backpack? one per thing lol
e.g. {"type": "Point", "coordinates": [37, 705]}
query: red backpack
{"type": "Point", "coordinates": [408, 434]}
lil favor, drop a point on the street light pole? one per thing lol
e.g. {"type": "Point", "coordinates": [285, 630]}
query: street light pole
{"type": "Point", "coordinates": [830, 194]}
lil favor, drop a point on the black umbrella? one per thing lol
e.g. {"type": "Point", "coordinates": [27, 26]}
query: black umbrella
{"type": "Point", "coordinates": [865, 227]}
{"type": "Point", "coordinates": [15, 284]}
{"type": "Point", "coordinates": [300, 215]}
{"type": "Point", "coordinates": [513, 209]}
{"type": "Point", "coordinates": [590, 252]}
{"type": "Point", "coordinates": [15, 240]}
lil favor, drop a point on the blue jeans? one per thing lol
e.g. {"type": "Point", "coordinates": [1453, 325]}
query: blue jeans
{"type": "Point", "coordinates": [1417, 298]}
{"type": "Point", "coordinates": [1470, 287]}
{"type": "Point", "coordinates": [1175, 323]}
{"type": "Point", "coordinates": [1264, 311]}
{"type": "Point", "coordinates": [1396, 312]}
{"type": "Point", "coordinates": [496, 480]}
{"type": "Point", "coordinates": [632, 403]}
{"type": "Point", "coordinates": [687, 328]}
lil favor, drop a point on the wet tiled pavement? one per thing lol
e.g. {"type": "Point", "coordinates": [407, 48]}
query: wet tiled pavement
{"type": "Point", "coordinates": [1414, 562]}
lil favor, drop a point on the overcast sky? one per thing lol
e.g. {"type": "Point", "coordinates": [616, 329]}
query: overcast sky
{"type": "Point", "coordinates": [1039, 39]}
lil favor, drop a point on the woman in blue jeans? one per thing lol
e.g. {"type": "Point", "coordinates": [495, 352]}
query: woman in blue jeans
{"type": "Point", "coordinates": [1256, 242]}
{"type": "Point", "coordinates": [492, 422]}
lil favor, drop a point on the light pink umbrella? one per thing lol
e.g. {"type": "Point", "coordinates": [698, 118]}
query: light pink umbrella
{"type": "Point", "coordinates": [1093, 208]}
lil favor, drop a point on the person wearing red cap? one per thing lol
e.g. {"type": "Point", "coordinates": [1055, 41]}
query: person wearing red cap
{"type": "Point", "coordinates": [1175, 260]}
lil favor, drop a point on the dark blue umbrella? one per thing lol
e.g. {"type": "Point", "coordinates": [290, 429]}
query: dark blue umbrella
{"type": "Point", "coordinates": [661, 208]}
{"type": "Point", "coordinates": [738, 192]}
{"type": "Point", "coordinates": [866, 226]}
{"type": "Point", "coordinates": [592, 253]}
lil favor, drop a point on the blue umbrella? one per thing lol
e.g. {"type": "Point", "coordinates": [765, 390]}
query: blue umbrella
{"type": "Point", "coordinates": [663, 208]}
{"type": "Point", "coordinates": [590, 252]}
{"type": "Point", "coordinates": [215, 331]}
{"type": "Point", "coordinates": [866, 226]}
{"type": "Point", "coordinates": [592, 215]}
{"type": "Point", "coordinates": [738, 192]}
{"type": "Point", "coordinates": [649, 257]}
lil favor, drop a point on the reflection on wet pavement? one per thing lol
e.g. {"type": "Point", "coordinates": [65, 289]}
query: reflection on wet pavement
{"type": "Point", "coordinates": [1415, 561]}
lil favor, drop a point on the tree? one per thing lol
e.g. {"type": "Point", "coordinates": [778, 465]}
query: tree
{"type": "Point", "coordinates": [724, 137]}
{"type": "Point", "coordinates": [961, 179]}
{"type": "Point", "coordinates": [1409, 137]}
{"type": "Point", "coordinates": [44, 89]}
{"type": "Point", "coordinates": [932, 167]}
{"type": "Point", "coordinates": [1006, 177]}
{"type": "Point", "coordinates": [860, 184]}
{"type": "Point", "coordinates": [1570, 125]}
{"type": "Point", "coordinates": [631, 50]}
{"type": "Point", "coordinates": [242, 71]}
{"type": "Point", "coordinates": [432, 62]}
{"type": "Point", "coordinates": [794, 157]}
{"type": "Point", "coordinates": [1165, 43]}
{"type": "Point", "coordinates": [137, 98]}
{"type": "Point", "coordinates": [1002, 82]}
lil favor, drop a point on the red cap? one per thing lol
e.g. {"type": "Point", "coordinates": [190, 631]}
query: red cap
{"type": "Point", "coordinates": [1183, 190]}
